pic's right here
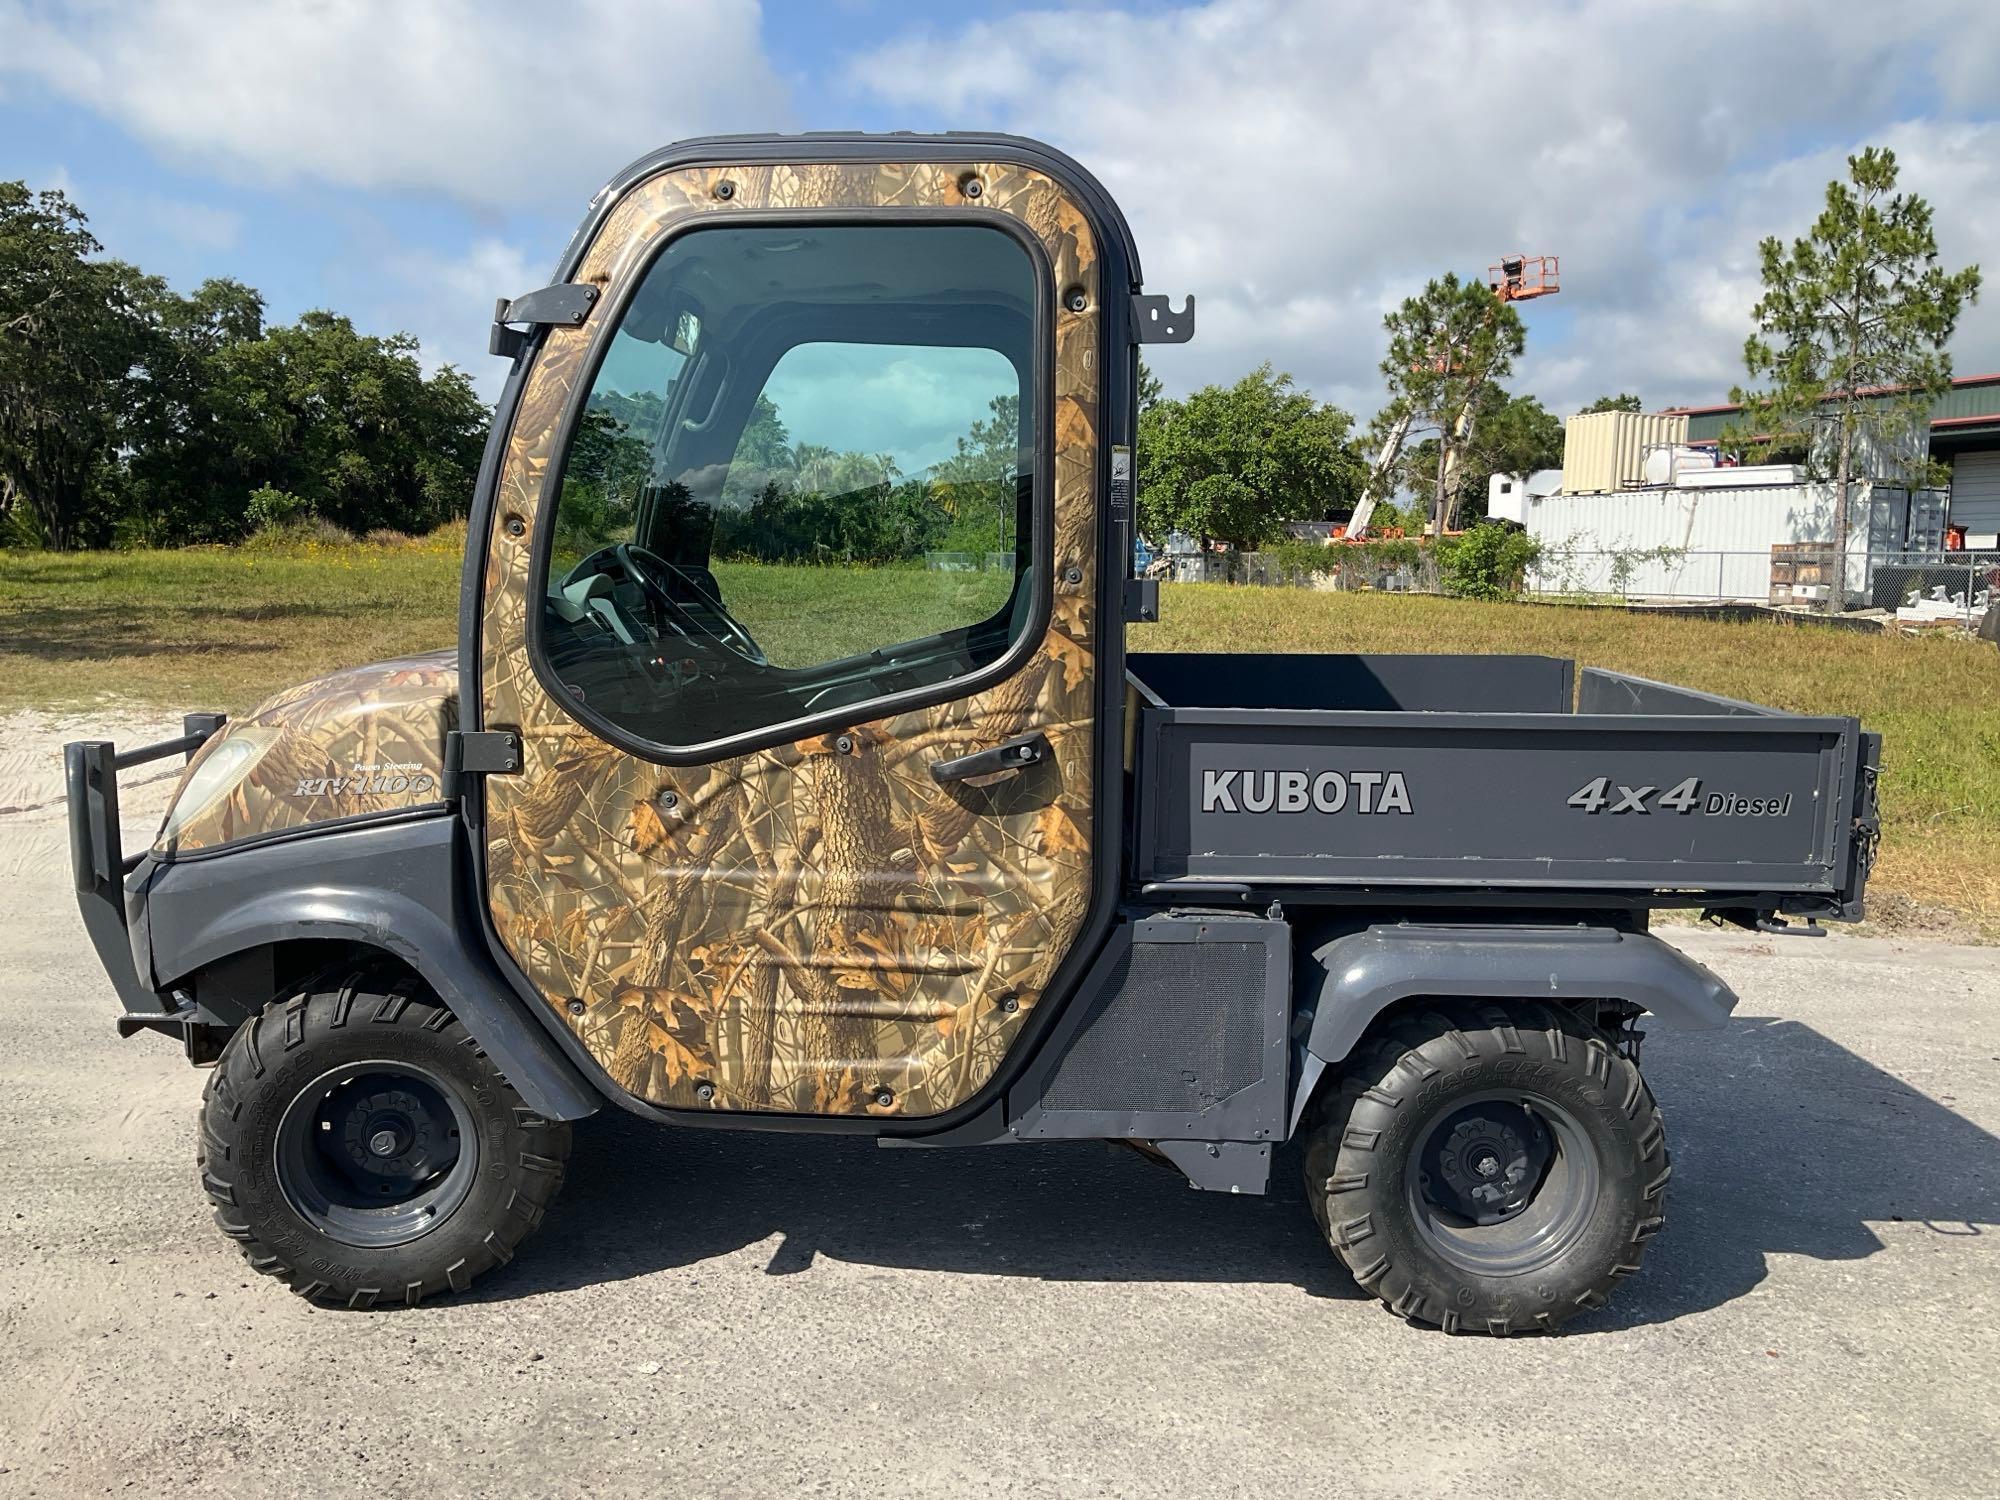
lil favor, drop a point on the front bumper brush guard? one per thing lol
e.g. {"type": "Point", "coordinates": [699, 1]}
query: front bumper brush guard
{"type": "Point", "coordinates": [98, 862]}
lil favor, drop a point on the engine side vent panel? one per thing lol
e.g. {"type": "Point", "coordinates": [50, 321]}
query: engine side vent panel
{"type": "Point", "coordinates": [1183, 1036]}
{"type": "Point", "coordinates": [1179, 1028]}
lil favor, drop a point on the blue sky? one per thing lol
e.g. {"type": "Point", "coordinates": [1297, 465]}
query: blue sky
{"type": "Point", "coordinates": [1300, 167]}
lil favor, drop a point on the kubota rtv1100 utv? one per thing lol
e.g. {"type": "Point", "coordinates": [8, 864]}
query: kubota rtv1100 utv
{"type": "Point", "coordinates": [791, 773]}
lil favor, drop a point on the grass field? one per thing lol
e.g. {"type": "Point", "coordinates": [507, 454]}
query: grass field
{"type": "Point", "coordinates": [212, 627]}
{"type": "Point", "coordinates": [855, 609]}
{"type": "Point", "coordinates": [222, 629]}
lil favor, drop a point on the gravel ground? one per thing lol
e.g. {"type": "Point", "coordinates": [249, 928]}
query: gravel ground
{"type": "Point", "coordinates": [709, 1313]}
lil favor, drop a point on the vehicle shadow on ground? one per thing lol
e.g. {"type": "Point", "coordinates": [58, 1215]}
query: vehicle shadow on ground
{"type": "Point", "coordinates": [1783, 1143]}
{"type": "Point", "coordinates": [642, 1197]}
{"type": "Point", "coordinates": [1786, 1143]}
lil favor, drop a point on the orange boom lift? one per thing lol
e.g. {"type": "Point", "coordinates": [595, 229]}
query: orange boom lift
{"type": "Point", "coordinates": [1519, 278]}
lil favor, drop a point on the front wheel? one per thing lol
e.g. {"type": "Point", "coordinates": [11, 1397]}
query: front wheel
{"type": "Point", "coordinates": [1496, 1168]}
{"type": "Point", "coordinates": [360, 1147]}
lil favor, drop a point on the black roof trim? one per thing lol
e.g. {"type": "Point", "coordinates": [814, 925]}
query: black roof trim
{"type": "Point", "coordinates": [858, 146]}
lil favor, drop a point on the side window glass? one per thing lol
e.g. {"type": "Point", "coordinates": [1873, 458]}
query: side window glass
{"type": "Point", "coordinates": [803, 479]}
{"type": "Point", "coordinates": [610, 451]}
{"type": "Point", "coordinates": [888, 470]}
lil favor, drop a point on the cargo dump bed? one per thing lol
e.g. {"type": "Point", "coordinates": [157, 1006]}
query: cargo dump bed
{"type": "Point", "coordinates": [1502, 774]}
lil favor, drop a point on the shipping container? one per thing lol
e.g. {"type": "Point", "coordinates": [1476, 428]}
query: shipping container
{"type": "Point", "coordinates": [1606, 450]}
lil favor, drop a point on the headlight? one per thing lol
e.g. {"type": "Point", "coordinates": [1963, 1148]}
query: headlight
{"type": "Point", "coordinates": [215, 774]}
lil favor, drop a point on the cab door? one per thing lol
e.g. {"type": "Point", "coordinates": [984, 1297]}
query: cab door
{"type": "Point", "coordinates": [790, 588]}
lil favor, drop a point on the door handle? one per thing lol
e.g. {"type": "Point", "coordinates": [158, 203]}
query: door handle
{"type": "Point", "coordinates": [1010, 755]}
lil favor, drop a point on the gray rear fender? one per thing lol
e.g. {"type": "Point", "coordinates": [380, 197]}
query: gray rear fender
{"type": "Point", "coordinates": [392, 886]}
{"type": "Point", "coordinates": [1345, 985]}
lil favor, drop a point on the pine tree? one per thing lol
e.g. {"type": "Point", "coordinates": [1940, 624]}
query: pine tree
{"type": "Point", "coordinates": [1858, 305]}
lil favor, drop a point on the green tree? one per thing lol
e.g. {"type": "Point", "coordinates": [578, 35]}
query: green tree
{"type": "Point", "coordinates": [765, 443]}
{"type": "Point", "coordinates": [1235, 462]}
{"type": "Point", "coordinates": [1620, 402]}
{"type": "Point", "coordinates": [1507, 435]}
{"type": "Point", "coordinates": [350, 423]}
{"type": "Point", "coordinates": [192, 456]}
{"type": "Point", "coordinates": [71, 332]}
{"type": "Point", "coordinates": [1490, 561]}
{"type": "Point", "coordinates": [763, 456]}
{"type": "Point", "coordinates": [977, 487]}
{"type": "Point", "coordinates": [1150, 388]}
{"type": "Point", "coordinates": [1520, 436]}
{"type": "Point", "coordinates": [1859, 302]}
{"type": "Point", "coordinates": [831, 471]}
{"type": "Point", "coordinates": [787, 501]}
{"type": "Point", "coordinates": [1446, 345]}
{"type": "Point", "coordinates": [990, 451]}
{"type": "Point", "coordinates": [129, 410]}
{"type": "Point", "coordinates": [608, 464]}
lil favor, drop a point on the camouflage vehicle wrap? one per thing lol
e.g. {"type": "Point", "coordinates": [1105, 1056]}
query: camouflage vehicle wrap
{"type": "Point", "coordinates": [816, 927]}
{"type": "Point", "coordinates": [360, 742]}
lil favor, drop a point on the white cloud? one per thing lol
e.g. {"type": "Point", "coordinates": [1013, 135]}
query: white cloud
{"type": "Point", "coordinates": [446, 302]}
{"type": "Point", "coordinates": [1302, 167]}
{"type": "Point", "coordinates": [487, 103]}
{"type": "Point", "coordinates": [121, 216]}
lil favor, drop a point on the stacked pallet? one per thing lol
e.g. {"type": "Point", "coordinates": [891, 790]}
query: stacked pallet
{"type": "Point", "coordinates": [1800, 572]}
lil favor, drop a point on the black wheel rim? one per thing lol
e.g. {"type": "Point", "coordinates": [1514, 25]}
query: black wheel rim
{"type": "Point", "coordinates": [376, 1154]}
{"type": "Point", "coordinates": [1502, 1183]}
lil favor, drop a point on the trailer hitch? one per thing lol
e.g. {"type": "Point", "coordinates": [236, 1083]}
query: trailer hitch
{"type": "Point", "coordinates": [1763, 921]}
{"type": "Point", "coordinates": [1779, 927]}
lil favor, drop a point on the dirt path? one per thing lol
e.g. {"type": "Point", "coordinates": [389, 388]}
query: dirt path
{"type": "Point", "coordinates": [32, 827]}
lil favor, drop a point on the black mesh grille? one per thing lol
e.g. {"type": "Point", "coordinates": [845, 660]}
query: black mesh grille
{"type": "Point", "coordinates": [1179, 1027]}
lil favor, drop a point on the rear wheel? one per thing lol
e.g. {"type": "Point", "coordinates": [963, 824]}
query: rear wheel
{"type": "Point", "coordinates": [1497, 1168]}
{"type": "Point", "coordinates": [361, 1148]}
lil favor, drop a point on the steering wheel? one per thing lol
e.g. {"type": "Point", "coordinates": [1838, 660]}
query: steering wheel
{"type": "Point", "coordinates": [713, 622]}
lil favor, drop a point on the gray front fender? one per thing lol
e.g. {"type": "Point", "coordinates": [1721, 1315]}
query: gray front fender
{"type": "Point", "coordinates": [1350, 981]}
{"type": "Point", "coordinates": [396, 886]}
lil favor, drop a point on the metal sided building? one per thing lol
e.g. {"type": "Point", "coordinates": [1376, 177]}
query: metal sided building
{"type": "Point", "coordinates": [1965, 433]}
{"type": "Point", "coordinates": [1644, 511]}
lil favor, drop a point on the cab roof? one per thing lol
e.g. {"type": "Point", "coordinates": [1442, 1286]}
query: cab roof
{"type": "Point", "coordinates": [862, 146]}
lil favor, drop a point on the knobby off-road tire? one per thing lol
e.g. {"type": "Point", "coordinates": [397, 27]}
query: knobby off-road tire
{"type": "Point", "coordinates": [1526, 1094]}
{"type": "Point", "coordinates": [361, 1148]}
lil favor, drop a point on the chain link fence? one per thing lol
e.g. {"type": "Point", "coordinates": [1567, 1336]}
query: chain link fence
{"type": "Point", "coordinates": [1657, 574]}
{"type": "Point", "coordinates": [1917, 589]}
{"type": "Point", "coordinates": [1954, 587]}
{"type": "Point", "coordinates": [1958, 587]}
{"type": "Point", "coordinates": [1400, 570]}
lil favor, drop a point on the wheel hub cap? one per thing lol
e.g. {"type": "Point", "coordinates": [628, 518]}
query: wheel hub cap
{"type": "Point", "coordinates": [1485, 1165]}
{"type": "Point", "coordinates": [392, 1136]}
{"type": "Point", "coordinates": [1502, 1184]}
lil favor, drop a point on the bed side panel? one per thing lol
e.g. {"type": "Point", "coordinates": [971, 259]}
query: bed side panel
{"type": "Point", "coordinates": [1583, 802]}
